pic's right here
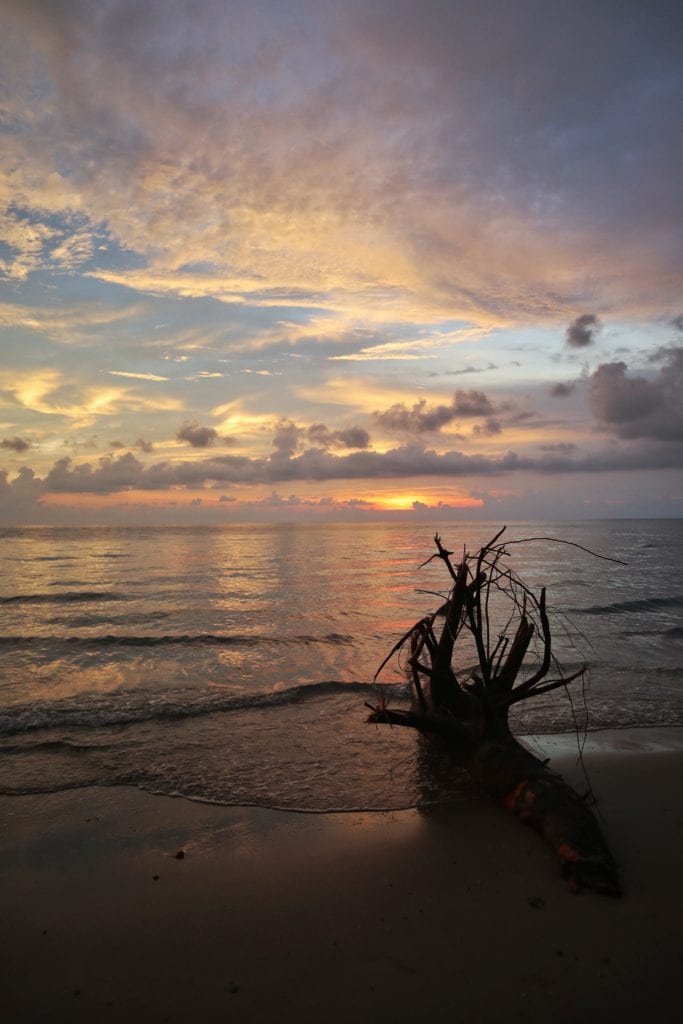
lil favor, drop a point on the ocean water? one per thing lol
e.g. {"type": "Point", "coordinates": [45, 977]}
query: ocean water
{"type": "Point", "coordinates": [231, 664]}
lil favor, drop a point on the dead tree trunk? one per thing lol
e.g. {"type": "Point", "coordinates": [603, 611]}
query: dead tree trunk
{"type": "Point", "coordinates": [469, 709]}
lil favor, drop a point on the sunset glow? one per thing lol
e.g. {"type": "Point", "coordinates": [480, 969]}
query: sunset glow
{"type": "Point", "coordinates": [306, 260]}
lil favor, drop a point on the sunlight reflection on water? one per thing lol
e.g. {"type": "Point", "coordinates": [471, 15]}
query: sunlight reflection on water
{"type": "Point", "coordinates": [117, 630]}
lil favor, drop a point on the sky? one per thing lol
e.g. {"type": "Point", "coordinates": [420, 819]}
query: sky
{"type": "Point", "coordinates": [300, 260]}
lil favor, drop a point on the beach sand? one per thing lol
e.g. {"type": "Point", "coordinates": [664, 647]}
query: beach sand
{"type": "Point", "coordinates": [454, 913]}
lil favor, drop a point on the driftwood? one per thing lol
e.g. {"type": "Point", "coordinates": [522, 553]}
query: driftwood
{"type": "Point", "coordinates": [469, 707]}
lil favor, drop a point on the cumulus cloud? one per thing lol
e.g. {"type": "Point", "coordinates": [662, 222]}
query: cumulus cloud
{"type": "Point", "coordinates": [640, 407]}
{"type": "Point", "coordinates": [489, 428]}
{"type": "Point", "coordinates": [290, 437]}
{"type": "Point", "coordinates": [349, 437]}
{"type": "Point", "coordinates": [581, 331]}
{"type": "Point", "coordinates": [422, 418]}
{"type": "Point", "coordinates": [562, 390]}
{"type": "Point", "coordinates": [110, 474]}
{"type": "Point", "coordinates": [24, 490]}
{"type": "Point", "coordinates": [286, 439]}
{"type": "Point", "coordinates": [15, 444]}
{"type": "Point", "coordinates": [197, 436]}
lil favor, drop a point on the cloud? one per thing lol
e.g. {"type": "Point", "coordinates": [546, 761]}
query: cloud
{"type": "Point", "coordinates": [365, 160]}
{"type": "Point", "coordinates": [398, 350]}
{"type": "Point", "coordinates": [350, 437]}
{"type": "Point", "coordinates": [640, 407]}
{"type": "Point", "coordinates": [289, 437]}
{"type": "Point", "coordinates": [415, 348]}
{"type": "Point", "coordinates": [140, 443]}
{"type": "Point", "coordinates": [69, 323]}
{"type": "Point", "coordinates": [20, 495]}
{"type": "Point", "coordinates": [138, 376]}
{"type": "Point", "coordinates": [52, 392]}
{"type": "Point", "coordinates": [286, 439]}
{"type": "Point", "coordinates": [562, 390]}
{"type": "Point", "coordinates": [467, 370]}
{"type": "Point", "coordinates": [561, 447]}
{"type": "Point", "coordinates": [198, 437]}
{"type": "Point", "coordinates": [581, 332]}
{"type": "Point", "coordinates": [111, 474]}
{"type": "Point", "coordinates": [380, 183]}
{"type": "Point", "coordinates": [421, 418]}
{"type": "Point", "coordinates": [26, 244]}
{"type": "Point", "coordinates": [15, 444]}
{"type": "Point", "coordinates": [489, 428]}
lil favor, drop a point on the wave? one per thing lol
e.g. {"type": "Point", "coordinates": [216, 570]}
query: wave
{"type": "Point", "coordinates": [107, 619]}
{"type": "Point", "coordinates": [170, 640]}
{"type": "Point", "coordinates": [49, 558]}
{"type": "Point", "coordinates": [51, 745]}
{"type": "Point", "coordinates": [644, 604]}
{"type": "Point", "coordinates": [63, 596]}
{"type": "Point", "coordinates": [672, 632]}
{"type": "Point", "coordinates": [96, 711]}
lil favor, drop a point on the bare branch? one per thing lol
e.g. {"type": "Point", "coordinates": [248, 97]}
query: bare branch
{"type": "Point", "coordinates": [521, 693]}
{"type": "Point", "coordinates": [568, 543]}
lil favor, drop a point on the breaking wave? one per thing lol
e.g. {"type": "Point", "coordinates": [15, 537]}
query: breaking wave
{"type": "Point", "coordinates": [93, 711]}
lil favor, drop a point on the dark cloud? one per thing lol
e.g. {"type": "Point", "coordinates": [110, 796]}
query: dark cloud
{"type": "Point", "coordinates": [561, 447]}
{"type": "Point", "coordinates": [562, 390]}
{"type": "Point", "coordinates": [15, 444]}
{"type": "Point", "coordinates": [581, 332]}
{"type": "Point", "coordinates": [290, 436]}
{"type": "Point", "coordinates": [464, 370]}
{"type": "Point", "coordinates": [126, 472]}
{"type": "Point", "coordinates": [198, 437]}
{"type": "Point", "coordinates": [640, 407]}
{"type": "Point", "coordinates": [20, 497]}
{"type": "Point", "coordinates": [350, 437]}
{"type": "Point", "coordinates": [423, 419]}
{"type": "Point", "coordinates": [489, 428]}
{"type": "Point", "coordinates": [26, 487]}
{"type": "Point", "coordinates": [144, 446]}
{"type": "Point", "coordinates": [286, 439]}
{"type": "Point", "coordinates": [471, 403]}
{"type": "Point", "coordinates": [677, 322]}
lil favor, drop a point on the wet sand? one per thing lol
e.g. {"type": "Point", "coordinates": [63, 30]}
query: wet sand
{"type": "Point", "coordinates": [457, 913]}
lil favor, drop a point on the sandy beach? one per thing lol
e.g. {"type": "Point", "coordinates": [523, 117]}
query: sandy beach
{"type": "Point", "coordinates": [117, 905]}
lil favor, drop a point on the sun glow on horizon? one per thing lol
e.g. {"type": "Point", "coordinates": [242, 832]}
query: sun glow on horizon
{"type": "Point", "coordinates": [407, 500]}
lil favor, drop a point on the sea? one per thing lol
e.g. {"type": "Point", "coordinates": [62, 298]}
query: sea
{"type": "Point", "coordinates": [232, 664]}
